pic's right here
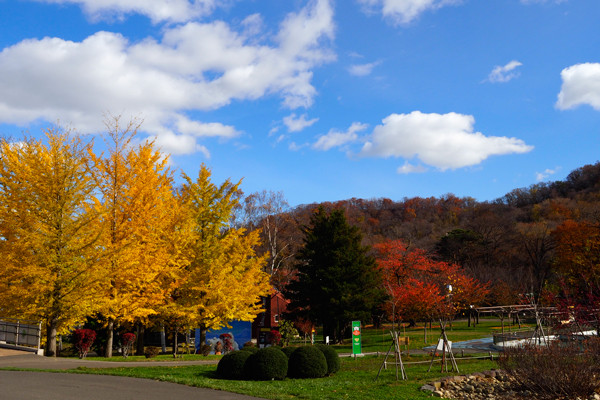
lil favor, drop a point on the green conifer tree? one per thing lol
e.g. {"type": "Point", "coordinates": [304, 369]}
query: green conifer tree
{"type": "Point", "coordinates": [337, 281]}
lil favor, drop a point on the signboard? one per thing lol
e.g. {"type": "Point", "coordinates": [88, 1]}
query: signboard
{"type": "Point", "coordinates": [356, 340]}
{"type": "Point", "coordinates": [240, 333]}
{"type": "Point", "coordinates": [440, 345]}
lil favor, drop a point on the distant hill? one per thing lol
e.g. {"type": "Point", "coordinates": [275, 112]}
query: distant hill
{"type": "Point", "coordinates": [579, 182]}
{"type": "Point", "coordinates": [508, 239]}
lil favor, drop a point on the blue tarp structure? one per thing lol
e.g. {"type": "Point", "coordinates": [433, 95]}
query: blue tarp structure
{"type": "Point", "coordinates": [240, 330]}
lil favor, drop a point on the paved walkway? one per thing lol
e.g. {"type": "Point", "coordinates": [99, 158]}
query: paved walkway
{"type": "Point", "coordinates": [20, 359]}
{"type": "Point", "coordinates": [19, 385]}
{"type": "Point", "coordinates": [471, 346]}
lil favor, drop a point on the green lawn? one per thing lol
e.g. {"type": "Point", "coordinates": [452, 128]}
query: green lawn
{"type": "Point", "coordinates": [374, 340]}
{"type": "Point", "coordinates": [355, 380]}
{"type": "Point", "coordinates": [159, 358]}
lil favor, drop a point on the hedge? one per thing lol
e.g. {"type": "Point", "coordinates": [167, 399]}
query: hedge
{"type": "Point", "coordinates": [307, 362]}
{"type": "Point", "coordinates": [266, 364]}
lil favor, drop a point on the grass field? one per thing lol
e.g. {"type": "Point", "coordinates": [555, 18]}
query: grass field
{"type": "Point", "coordinates": [374, 340]}
{"type": "Point", "coordinates": [355, 380]}
{"type": "Point", "coordinates": [159, 358]}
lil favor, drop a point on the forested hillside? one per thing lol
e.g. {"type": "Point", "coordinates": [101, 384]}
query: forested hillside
{"type": "Point", "coordinates": [516, 243]}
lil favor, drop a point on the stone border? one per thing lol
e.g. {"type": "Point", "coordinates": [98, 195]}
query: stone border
{"type": "Point", "coordinates": [478, 385]}
{"type": "Point", "coordinates": [486, 385]}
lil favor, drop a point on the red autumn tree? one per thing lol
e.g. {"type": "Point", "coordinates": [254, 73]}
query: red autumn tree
{"type": "Point", "coordinates": [83, 339]}
{"type": "Point", "coordinates": [419, 286]}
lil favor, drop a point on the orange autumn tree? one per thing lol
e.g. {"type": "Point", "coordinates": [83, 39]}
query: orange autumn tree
{"type": "Point", "coordinates": [577, 255]}
{"type": "Point", "coordinates": [137, 207]}
{"type": "Point", "coordinates": [418, 285]}
{"type": "Point", "coordinates": [577, 262]}
{"type": "Point", "coordinates": [47, 229]}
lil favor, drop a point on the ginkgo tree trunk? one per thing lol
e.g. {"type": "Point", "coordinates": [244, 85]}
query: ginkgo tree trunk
{"type": "Point", "coordinates": [137, 206]}
{"type": "Point", "coordinates": [48, 234]}
{"type": "Point", "coordinates": [224, 278]}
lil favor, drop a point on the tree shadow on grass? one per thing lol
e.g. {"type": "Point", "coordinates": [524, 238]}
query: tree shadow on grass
{"type": "Point", "coordinates": [208, 374]}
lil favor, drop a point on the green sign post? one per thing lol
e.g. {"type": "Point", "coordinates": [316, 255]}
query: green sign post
{"type": "Point", "coordinates": [356, 341]}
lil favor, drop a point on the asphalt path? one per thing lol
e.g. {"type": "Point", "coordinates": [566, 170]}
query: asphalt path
{"type": "Point", "coordinates": [33, 385]}
{"type": "Point", "coordinates": [20, 359]}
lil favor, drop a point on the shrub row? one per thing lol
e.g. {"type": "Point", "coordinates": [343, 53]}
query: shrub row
{"type": "Point", "coordinates": [307, 362]}
{"type": "Point", "coordinates": [332, 358]}
{"type": "Point", "coordinates": [275, 363]}
{"type": "Point", "coordinates": [231, 366]}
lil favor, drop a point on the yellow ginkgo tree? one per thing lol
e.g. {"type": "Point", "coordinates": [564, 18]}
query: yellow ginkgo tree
{"type": "Point", "coordinates": [223, 279]}
{"type": "Point", "coordinates": [48, 235]}
{"type": "Point", "coordinates": [84, 234]}
{"type": "Point", "coordinates": [137, 207]}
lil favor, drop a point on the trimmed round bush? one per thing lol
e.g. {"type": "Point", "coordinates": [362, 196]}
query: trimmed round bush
{"type": "Point", "coordinates": [250, 349]}
{"type": "Point", "coordinates": [231, 365]}
{"type": "Point", "coordinates": [151, 351]}
{"type": "Point", "coordinates": [288, 351]}
{"type": "Point", "coordinates": [332, 357]}
{"type": "Point", "coordinates": [307, 362]}
{"type": "Point", "coordinates": [266, 364]}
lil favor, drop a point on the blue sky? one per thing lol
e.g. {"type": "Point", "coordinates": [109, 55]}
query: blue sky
{"type": "Point", "coordinates": [321, 99]}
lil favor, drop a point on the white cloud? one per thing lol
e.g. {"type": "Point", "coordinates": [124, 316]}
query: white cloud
{"type": "Point", "coordinates": [202, 129]}
{"type": "Point", "coordinates": [253, 25]}
{"type": "Point", "coordinates": [156, 10]}
{"type": "Point", "coordinates": [501, 74]}
{"type": "Point", "coordinates": [542, 176]}
{"type": "Point", "coordinates": [362, 69]}
{"type": "Point", "coordinates": [408, 168]}
{"type": "Point", "coordinates": [405, 11]}
{"type": "Point", "coordinates": [274, 130]}
{"type": "Point", "coordinates": [297, 124]}
{"type": "Point", "coordinates": [581, 85]}
{"type": "Point", "coordinates": [162, 81]}
{"type": "Point", "coordinates": [179, 144]}
{"type": "Point", "coordinates": [296, 147]}
{"type": "Point", "coordinates": [444, 141]}
{"type": "Point", "coordinates": [336, 138]}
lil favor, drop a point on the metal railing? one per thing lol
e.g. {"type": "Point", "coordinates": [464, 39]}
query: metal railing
{"type": "Point", "coordinates": [20, 333]}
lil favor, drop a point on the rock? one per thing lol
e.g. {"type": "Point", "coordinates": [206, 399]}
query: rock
{"type": "Point", "coordinates": [445, 381]}
{"type": "Point", "coordinates": [489, 374]}
{"type": "Point", "coordinates": [489, 385]}
{"type": "Point", "coordinates": [428, 388]}
{"type": "Point", "coordinates": [469, 388]}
